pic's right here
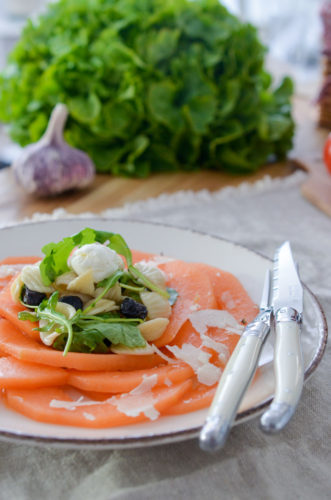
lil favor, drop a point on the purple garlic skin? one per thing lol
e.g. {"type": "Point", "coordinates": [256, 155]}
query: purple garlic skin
{"type": "Point", "coordinates": [50, 166]}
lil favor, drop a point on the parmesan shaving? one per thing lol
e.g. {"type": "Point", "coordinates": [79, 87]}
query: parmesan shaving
{"type": "Point", "coordinates": [139, 400]}
{"type": "Point", "coordinates": [228, 300]}
{"type": "Point", "coordinates": [162, 355]}
{"type": "Point", "coordinates": [148, 382]}
{"type": "Point", "coordinates": [219, 347]}
{"type": "Point", "coordinates": [161, 259]}
{"type": "Point", "coordinates": [201, 320]}
{"type": "Point", "coordinates": [72, 405]}
{"type": "Point", "coordinates": [88, 416]}
{"type": "Point", "coordinates": [207, 373]}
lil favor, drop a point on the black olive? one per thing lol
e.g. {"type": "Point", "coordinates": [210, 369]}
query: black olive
{"type": "Point", "coordinates": [31, 297]}
{"type": "Point", "coordinates": [132, 309]}
{"type": "Point", "coordinates": [73, 300]}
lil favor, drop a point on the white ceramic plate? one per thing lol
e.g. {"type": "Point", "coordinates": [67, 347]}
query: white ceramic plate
{"type": "Point", "coordinates": [248, 266]}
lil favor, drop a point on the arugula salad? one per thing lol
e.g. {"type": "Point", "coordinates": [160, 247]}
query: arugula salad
{"type": "Point", "coordinates": [86, 295]}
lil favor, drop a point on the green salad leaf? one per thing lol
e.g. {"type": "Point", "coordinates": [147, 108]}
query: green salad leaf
{"type": "Point", "coordinates": [55, 261]}
{"type": "Point", "coordinates": [91, 342]}
{"type": "Point", "coordinates": [151, 86]}
{"type": "Point", "coordinates": [118, 333]}
{"type": "Point", "coordinates": [97, 337]}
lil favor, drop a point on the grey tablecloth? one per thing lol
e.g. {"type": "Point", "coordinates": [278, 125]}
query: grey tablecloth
{"type": "Point", "coordinates": [292, 465]}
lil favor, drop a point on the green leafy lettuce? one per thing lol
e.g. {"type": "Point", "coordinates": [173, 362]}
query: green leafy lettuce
{"type": "Point", "coordinates": [151, 86]}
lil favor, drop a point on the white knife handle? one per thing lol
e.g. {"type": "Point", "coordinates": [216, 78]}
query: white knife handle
{"type": "Point", "coordinates": [289, 371]}
{"type": "Point", "coordinates": [233, 384]}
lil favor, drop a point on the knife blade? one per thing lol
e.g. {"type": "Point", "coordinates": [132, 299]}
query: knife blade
{"type": "Point", "coordinates": [287, 304]}
{"type": "Point", "coordinates": [236, 377]}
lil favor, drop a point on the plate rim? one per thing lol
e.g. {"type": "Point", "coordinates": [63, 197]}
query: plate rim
{"type": "Point", "coordinates": [167, 437]}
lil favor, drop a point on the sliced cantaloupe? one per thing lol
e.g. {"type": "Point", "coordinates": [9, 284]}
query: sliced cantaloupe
{"type": "Point", "coordinates": [197, 398]}
{"type": "Point", "coordinates": [117, 382]}
{"type": "Point", "coordinates": [194, 292]}
{"type": "Point", "coordinates": [230, 294]}
{"type": "Point", "coordinates": [17, 374]}
{"type": "Point", "coordinates": [57, 406]}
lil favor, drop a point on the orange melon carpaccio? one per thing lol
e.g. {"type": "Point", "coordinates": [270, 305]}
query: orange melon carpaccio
{"type": "Point", "coordinates": [17, 374]}
{"type": "Point", "coordinates": [32, 374]}
{"type": "Point", "coordinates": [120, 382]}
{"type": "Point", "coordinates": [37, 404]}
{"type": "Point", "coordinates": [194, 290]}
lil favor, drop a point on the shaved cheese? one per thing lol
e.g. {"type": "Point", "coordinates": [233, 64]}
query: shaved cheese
{"type": "Point", "coordinates": [161, 259]}
{"type": "Point", "coordinates": [219, 347]}
{"type": "Point", "coordinates": [148, 382]}
{"type": "Point", "coordinates": [227, 298]}
{"type": "Point", "coordinates": [88, 416]}
{"type": "Point", "coordinates": [167, 382]}
{"type": "Point", "coordinates": [201, 320]}
{"type": "Point", "coordinates": [72, 405]}
{"type": "Point", "coordinates": [162, 355]}
{"type": "Point", "coordinates": [139, 400]}
{"type": "Point", "coordinates": [155, 262]}
{"type": "Point", "coordinates": [207, 373]}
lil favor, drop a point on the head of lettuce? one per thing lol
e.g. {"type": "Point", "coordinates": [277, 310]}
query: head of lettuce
{"type": "Point", "coordinates": [151, 85]}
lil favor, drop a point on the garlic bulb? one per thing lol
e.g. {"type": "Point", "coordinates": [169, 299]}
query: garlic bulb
{"type": "Point", "coordinates": [50, 166]}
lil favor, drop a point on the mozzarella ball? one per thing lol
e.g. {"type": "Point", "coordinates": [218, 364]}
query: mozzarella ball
{"type": "Point", "coordinates": [102, 260]}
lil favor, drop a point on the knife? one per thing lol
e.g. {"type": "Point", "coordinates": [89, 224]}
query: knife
{"type": "Point", "coordinates": [236, 376]}
{"type": "Point", "coordinates": [287, 303]}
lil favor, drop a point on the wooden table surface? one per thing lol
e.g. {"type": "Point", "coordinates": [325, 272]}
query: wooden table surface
{"type": "Point", "coordinates": [108, 191]}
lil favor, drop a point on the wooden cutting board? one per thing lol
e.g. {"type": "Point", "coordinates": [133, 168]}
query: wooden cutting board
{"type": "Point", "coordinates": [109, 192]}
{"type": "Point", "coordinates": [308, 153]}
